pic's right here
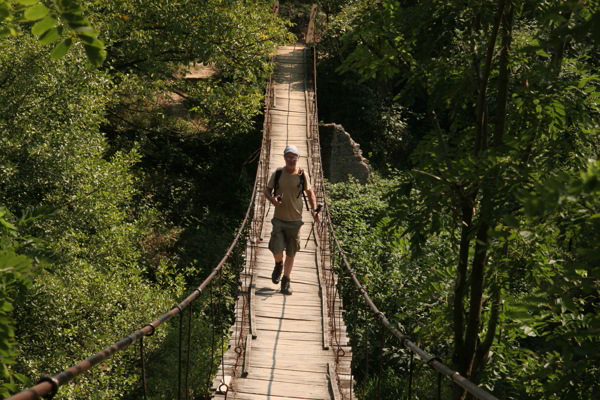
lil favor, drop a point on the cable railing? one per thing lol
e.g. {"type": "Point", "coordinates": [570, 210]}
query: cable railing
{"type": "Point", "coordinates": [48, 386]}
{"type": "Point", "coordinates": [328, 241]}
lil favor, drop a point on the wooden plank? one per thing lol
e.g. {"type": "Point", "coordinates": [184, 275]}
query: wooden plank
{"type": "Point", "coordinates": [310, 35]}
{"type": "Point", "coordinates": [324, 318]}
{"type": "Point", "coordinates": [247, 352]}
{"type": "Point", "coordinates": [252, 304]}
{"type": "Point", "coordinates": [281, 375]}
{"type": "Point", "coordinates": [307, 390]}
{"type": "Point", "coordinates": [254, 396]}
{"type": "Point", "coordinates": [332, 380]}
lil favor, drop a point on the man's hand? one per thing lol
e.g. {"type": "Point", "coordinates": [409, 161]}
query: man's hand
{"type": "Point", "coordinates": [316, 217]}
{"type": "Point", "coordinates": [316, 213]}
{"type": "Point", "coordinates": [276, 200]}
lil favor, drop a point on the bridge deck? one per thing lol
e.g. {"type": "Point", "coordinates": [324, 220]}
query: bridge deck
{"type": "Point", "coordinates": [287, 359]}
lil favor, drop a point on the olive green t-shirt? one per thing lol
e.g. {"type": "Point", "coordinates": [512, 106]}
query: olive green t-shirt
{"type": "Point", "coordinates": [289, 186]}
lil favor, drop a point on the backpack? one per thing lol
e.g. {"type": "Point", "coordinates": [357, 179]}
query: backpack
{"type": "Point", "coordinates": [276, 185]}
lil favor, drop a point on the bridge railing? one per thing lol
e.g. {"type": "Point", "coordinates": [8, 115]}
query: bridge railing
{"type": "Point", "coordinates": [330, 246]}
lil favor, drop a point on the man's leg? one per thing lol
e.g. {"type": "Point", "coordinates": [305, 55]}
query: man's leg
{"type": "Point", "coordinates": [292, 246]}
{"type": "Point", "coordinates": [276, 275]}
{"type": "Point", "coordinates": [287, 266]}
{"type": "Point", "coordinates": [277, 245]}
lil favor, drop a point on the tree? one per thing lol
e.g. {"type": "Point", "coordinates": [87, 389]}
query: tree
{"type": "Point", "coordinates": [505, 97]}
{"type": "Point", "coordinates": [50, 25]}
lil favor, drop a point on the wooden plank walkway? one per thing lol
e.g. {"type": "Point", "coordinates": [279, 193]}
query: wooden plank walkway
{"type": "Point", "coordinates": [287, 360]}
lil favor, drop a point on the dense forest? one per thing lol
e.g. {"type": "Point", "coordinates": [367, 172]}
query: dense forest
{"type": "Point", "coordinates": [479, 235]}
{"type": "Point", "coordinates": [128, 140]}
{"type": "Point", "coordinates": [125, 173]}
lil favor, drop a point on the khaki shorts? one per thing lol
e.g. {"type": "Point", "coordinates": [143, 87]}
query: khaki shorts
{"type": "Point", "coordinates": [285, 235]}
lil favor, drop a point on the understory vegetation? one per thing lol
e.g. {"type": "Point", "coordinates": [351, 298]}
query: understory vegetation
{"type": "Point", "coordinates": [479, 233]}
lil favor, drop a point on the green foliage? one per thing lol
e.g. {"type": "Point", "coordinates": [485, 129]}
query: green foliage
{"type": "Point", "coordinates": [532, 185]}
{"type": "Point", "coordinates": [141, 188]}
{"type": "Point", "coordinates": [50, 25]}
{"type": "Point", "coordinates": [15, 271]}
{"type": "Point", "coordinates": [413, 293]}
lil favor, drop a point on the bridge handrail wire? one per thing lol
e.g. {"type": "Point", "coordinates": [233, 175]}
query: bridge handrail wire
{"type": "Point", "coordinates": [317, 169]}
{"type": "Point", "coordinates": [257, 221]}
{"type": "Point", "coordinates": [49, 385]}
{"type": "Point", "coordinates": [431, 361]}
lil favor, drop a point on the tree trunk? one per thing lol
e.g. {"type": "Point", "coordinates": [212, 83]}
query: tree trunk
{"type": "Point", "coordinates": [460, 287]}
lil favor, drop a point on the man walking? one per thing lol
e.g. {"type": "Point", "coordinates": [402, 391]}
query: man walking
{"type": "Point", "coordinates": [285, 190]}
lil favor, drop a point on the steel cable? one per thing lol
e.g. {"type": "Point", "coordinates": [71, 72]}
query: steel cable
{"type": "Point", "coordinates": [189, 350]}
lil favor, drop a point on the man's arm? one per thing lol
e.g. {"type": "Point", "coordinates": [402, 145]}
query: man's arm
{"type": "Point", "coordinates": [270, 197]}
{"type": "Point", "coordinates": [312, 199]}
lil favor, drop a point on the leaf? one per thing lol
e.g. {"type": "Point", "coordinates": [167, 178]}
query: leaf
{"type": "Point", "coordinates": [13, 261]}
{"type": "Point", "coordinates": [27, 2]}
{"type": "Point", "coordinates": [528, 331]}
{"type": "Point", "coordinates": [43, 26]}
{"type": "Point", "coordinates": [66, 6]}
{"type": "Point", "coordinates": [86, 30]}
{"type": "Point", "coordinates": [542, 52]}
{"type": "Point", "coordinates": [90, 41]}
{"type": "Point", "coordinates": [51, 35]}
{"type": "Point", "coordinates": [61, 49]}
{"type": "Point", "coordinates": [7, 224]}
{"type": "Point", "coordinates": [4, 11]}
{"type": "Point", "coordinates": [4, 32]}
{"type": "Point", "coordinates": [75, 20]}
{"type": "Point", "coordinates": [22, 378]}
{"type": "Point", "coordinates": [36, 12]}
{"type": "Point", "coordinates": [95, 55]}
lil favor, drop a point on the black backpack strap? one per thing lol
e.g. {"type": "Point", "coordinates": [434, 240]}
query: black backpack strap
{"type": "Point", "coordinates": [278, 172]}
{"type": "Point", "coordinates": [302, 182]}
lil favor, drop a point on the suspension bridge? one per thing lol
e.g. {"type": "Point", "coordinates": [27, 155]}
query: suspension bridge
{"type": "Point", "coordinates": [280, 347]}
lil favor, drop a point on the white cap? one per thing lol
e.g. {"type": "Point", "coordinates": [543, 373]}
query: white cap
{"type": "Point", "coordinates": [291, 149]}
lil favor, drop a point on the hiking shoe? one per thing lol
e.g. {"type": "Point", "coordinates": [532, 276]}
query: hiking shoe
{"type": "Point", "coordinates": [276, 275]}
{"type": "Point", "coordinates": [285, 286]}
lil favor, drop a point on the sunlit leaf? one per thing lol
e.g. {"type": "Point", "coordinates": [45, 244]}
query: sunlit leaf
{"type": "Point", "coordinates": [27, 2]}
{"type": "Point", "coordinates": [36, 12]}
{"type": "Point", "coordinates": [44, 25]}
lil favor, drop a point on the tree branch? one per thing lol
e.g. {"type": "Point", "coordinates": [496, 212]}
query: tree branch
{"type": "Point", "coordinates": [503, 77]}
{"type": "Point", "coordinates": [480, 140]}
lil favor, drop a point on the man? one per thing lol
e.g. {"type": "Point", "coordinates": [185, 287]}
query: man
{"type": "Point", "coordinates": [287, 220]}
